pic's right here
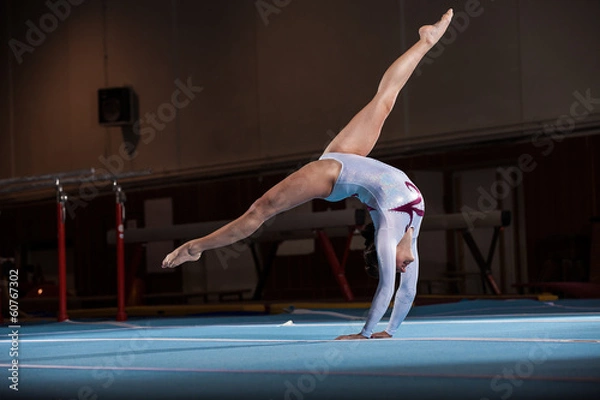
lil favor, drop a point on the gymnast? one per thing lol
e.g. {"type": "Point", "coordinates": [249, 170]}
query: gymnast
{"type": "Point", "coordinates": [396, 206]}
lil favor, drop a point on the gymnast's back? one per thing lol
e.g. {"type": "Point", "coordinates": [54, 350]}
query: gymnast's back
{"type": "Point", "coordinates": [376, 184]}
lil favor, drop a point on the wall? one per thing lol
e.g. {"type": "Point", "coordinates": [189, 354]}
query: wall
{"type": "Point", "coordinates": [275, 85]}
{"type": "Point", "coordinates": [6, 153]}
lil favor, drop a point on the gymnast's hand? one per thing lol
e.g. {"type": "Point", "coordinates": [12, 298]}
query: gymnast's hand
{"type": "Point", "coordinates": [356, 336]}
{"type": "Point", "coordinates": [179, 256]}
{"type": "Point", "coordinates": [381, 335]}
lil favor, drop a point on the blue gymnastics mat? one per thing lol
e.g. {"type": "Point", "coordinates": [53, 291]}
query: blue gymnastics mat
{"type": "Point", "coordinates": [480, 349]}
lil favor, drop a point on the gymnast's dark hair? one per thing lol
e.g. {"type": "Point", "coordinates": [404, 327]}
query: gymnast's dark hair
{"type": "Point", "coordinates": [370, 252]}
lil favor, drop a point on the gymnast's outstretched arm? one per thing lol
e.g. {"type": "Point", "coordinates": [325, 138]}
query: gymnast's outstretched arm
{"type": "Point", "coordinates": [386, 242]}
{"type": "Point", "coordinates": [405, 295]}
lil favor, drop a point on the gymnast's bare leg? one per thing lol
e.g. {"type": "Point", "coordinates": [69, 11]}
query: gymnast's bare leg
{"type": "Point", "coordinates": [362, 132]}
{"type": "Point", "coordinates": [316, 179]}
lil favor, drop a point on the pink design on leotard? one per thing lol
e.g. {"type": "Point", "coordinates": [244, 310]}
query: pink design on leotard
{"type": "Point", "coordinates": [410, 208]}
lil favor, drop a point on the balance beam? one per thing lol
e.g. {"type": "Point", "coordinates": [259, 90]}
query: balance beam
{"type": "Point", "coordinates": [294, 225]}
{"type": "Point", "coordinates": [322, 226]}
{"type": "Point", "coordinates": [471, 220]}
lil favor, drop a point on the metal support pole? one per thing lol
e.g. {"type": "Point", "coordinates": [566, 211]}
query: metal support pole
{"type": "Point", "coordinates": [61, 199]}
{"type": "Point", "coordinates": [485, 266]}
{"type": "Point", "coordinates": [347, 248]}
{"type": "Point", "coordinates": [264, 273]}
{"type": "Point", "coordinates": [337, 268]}
{"type": "Point", "coordinates": [120, 229]}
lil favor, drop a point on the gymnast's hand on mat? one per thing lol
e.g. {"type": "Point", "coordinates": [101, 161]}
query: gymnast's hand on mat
{"type": "Point", "coordinates": [381, 335]}
{"type": "Point", "coordinates": [356, 336]}
{"type": "Point", "coordinates": [179, 256]}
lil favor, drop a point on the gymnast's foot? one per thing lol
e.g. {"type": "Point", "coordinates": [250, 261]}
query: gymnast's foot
{"type": "Point", "coordinates": [179, 256]}
{"type": "Point", "coordinates": [432, 33]}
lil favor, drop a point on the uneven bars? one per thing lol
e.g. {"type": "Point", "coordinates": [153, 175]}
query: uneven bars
{"type": "Point", "coordinates": [74, 181]}
{"type": "Point", "coordinates": [47, 177]}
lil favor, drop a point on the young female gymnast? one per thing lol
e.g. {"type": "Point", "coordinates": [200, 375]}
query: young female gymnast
{"type": "Point", "coordinates": [396, 205]}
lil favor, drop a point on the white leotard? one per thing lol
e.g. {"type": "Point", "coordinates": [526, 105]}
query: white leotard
{"type": "Point", "coordinates": [395, 204]}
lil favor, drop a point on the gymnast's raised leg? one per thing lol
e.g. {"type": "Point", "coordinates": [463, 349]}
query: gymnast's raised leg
{"type": "Point", "coordinates": [362, 132]}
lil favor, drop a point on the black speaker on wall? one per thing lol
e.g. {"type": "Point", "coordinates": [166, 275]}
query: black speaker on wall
{"type": "Point", "coordinates": [117, 106]}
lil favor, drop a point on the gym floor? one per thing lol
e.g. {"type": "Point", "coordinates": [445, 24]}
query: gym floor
{"type": "Point", "coordinates": [471, 349]}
